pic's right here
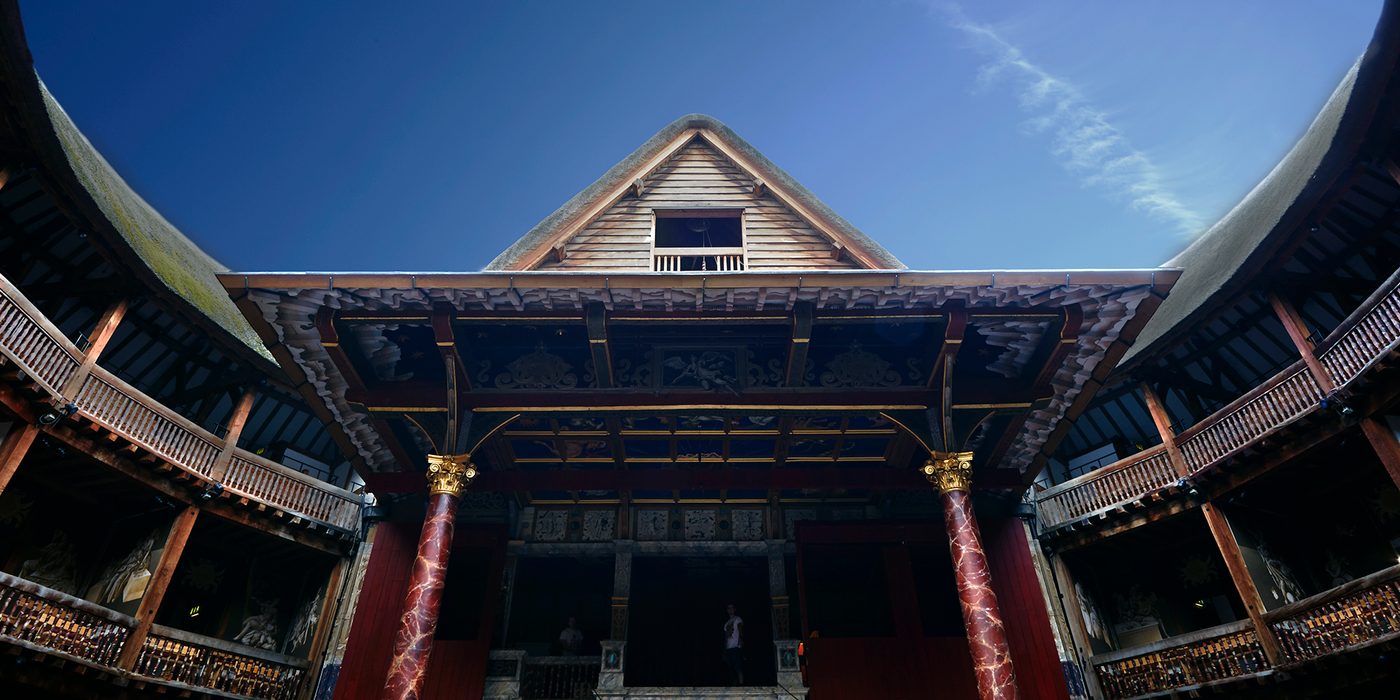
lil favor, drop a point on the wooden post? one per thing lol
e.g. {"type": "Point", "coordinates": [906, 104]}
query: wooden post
{"type": "Point", "coordinates": [1158, 410]}
{"type": "Point", "coordinates": [1244, 584]}
{"type": "Point", "coordinates": [1220, 531]}
{"type": "Point", "coordinates": [13, 450]}
{"type": "Point", "coordinates": [235, 428]}
{"type": "Point", "coordinates": [155, 590]}
{"type": "Point", "coordinates": [1298, 333]}
{"type": "Point", "coordinates": [320, 646]}
{"type": "Point", "coordinates": [97, 342]}
{"type": "Point", "coordinates": [1080, 641]}
{"type": "Point", "coordinates": [1382, 440]}
{"type": "Point", "coordinates": [1377, 432]}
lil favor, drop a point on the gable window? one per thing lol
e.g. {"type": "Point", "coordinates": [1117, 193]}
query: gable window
{"type": "Point", "coordinates": [686, 240]}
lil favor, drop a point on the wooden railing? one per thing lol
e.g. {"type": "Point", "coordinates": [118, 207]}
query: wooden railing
{"type": "Point", "coordinates": [1286, 396]}
{"type": "Point", "coordinates": [702, 259]}
{"type": "Point", "coordinates": [122, 409]}
{"type": "Point", "coordinates": [1368, 335]}
{"type": "Point", "coordinates": [265, 480]}
{"type": "Point", "coordinates": [52, 622]}
{"type": "Point", "coordinates": [559, 677]}
{"type": "Point", "coordinates": [1365, 336]}
{"type": "Point", "coordinates": [41, 618]}
{"type": "Point", "coordinates": [1356, 613]}
{"type": "Point", "coordinates": [1213, 654]}
{"type": "Point", "coordinates": [42, 352]}
{"type": "Point", "coordinates": [31, 342]}
{"type": "Point", "coordinates": [172, 656]}
{"type": "Point", "coordinates": [1109, 487]}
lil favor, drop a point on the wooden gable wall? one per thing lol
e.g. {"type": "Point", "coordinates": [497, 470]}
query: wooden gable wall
{"type": "Point", "coordinates": [699, 176]}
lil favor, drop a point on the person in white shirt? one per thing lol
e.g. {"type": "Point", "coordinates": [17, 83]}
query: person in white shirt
{"type": "Point", "coordinates": [734, 644]}
{"type": "Point", "coordinates": [571, 639]}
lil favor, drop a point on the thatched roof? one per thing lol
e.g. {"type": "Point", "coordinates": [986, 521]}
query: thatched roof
{"type": "Point", "coordinates": [1228, 256]}
{"type": "Point", "coordinates": [153, 248]}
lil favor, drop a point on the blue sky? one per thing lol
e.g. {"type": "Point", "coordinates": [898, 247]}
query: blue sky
{"type": "Point", "coordinates": [430, 135]}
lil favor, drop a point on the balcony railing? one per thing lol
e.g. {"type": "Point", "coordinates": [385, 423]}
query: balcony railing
{"type": "Point", "coordinates": [698, 259]}
{"type": "Point", "coordinates": [28, 339]}
{"type": "Point", "coordinates": [1354, 615]}
{"type": "Point", "coordinates": [1357, 613]}
{"type": "Point", "coordinates": [1367, 336]}
{"type": "Point", "coordinates": [46, 356]}
{"type": "Point", "coordinates": [52, 622]}
{"type": "Point", "coordinates": [1214, 654]}
{"type": "Point", "coordinates": [1107, 488]}
{"type": "Point", "coordinates": [176, 657]}
{"type": "Point", "coordinates": [41, 618]}
{"type": "Point", "coordinates": [559, 677]}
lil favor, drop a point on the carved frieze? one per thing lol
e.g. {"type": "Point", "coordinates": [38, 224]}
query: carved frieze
{"type": "Point", "coordinates": [653, 524]}
{"type": "Point", "coordinates": [699, 524]}
{"type": "Point", "coordinates": [748, 524]}
{"type": "Point", "coordinates": [551, 525]}
{"type": "Point", "coordinates": [599, 525]}
{"type": "Point", "coordinates": [859, 367]}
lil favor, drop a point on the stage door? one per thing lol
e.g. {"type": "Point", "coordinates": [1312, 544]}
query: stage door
{"type": "Point", "coordinates": [675, 633]}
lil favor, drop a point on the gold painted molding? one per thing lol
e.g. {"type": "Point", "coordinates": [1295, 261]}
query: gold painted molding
{"type": "Point", "coordinates": [949, 471]}
{"type": "Point", "coordinates": [449, 474]}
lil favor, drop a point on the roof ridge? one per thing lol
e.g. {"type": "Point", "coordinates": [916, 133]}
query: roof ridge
{"type": "Point", "coordinates": [534, 244]}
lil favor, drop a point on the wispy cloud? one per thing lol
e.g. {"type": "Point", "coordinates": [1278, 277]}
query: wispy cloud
{"type": "Point", "coordinates": [1082, 137]}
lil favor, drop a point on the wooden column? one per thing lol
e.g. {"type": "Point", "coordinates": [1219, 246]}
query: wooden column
{"type": "Point", "coordinates": [1162, 420]}
{"type": "Point", "coordinates": [1080, 641]}
{"type": "Point", "coordinates": [155, 590]}
{"type": "Point", "coordinates": [1298, 333]}
{"type": "Point", "coordinates": [1377, 432]}
{"type": "Point", "coordinates": [236, 421]}
{"type": "Point", "coordinates": [97, 342]}
{"type": "Point", "coordinates": [1221, 533]}
{"type": "Point", "coordinates": [1382, 440]}
{"type": "Point", "coordinates": [778, 590]}
{"type": "Point", "coordinates": [1244, 584]}
{"type": "Point", "coordinates": [13, 450]}
{"type": "Point", "coordinates": [320, 640]}
{"type": "Point", "coordinates": [622, 591]}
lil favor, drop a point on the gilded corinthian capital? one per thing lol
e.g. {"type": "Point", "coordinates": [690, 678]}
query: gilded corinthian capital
{"type": "Point", "coordinates": [450, 475]}
{"type": "Point", "coordinates": [949, 471]}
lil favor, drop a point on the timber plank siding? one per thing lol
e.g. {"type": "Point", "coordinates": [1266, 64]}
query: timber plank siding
{"type": "Point", "coordinates": [697, 176]}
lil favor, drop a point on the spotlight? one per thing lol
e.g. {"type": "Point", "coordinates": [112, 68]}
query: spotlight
{"type": "Point", "coordinates": [56, 415]}
{"type": "Point", "coordinates": [211, 492]}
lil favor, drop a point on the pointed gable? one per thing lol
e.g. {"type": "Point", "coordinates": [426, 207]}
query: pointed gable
{"type": "Point", "coordinates": [695, 163]}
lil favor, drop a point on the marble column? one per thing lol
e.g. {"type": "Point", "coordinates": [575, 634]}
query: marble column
{"type": "Point", "coordinates": [951, 474]}
{"type": "Point", "coordinates": [448, 478]}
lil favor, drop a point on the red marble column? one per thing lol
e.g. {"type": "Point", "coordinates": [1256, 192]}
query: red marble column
{"type": "Point", "coordinates": [447, 479]}
{"type": "Point", "coordinates": [986, 636]}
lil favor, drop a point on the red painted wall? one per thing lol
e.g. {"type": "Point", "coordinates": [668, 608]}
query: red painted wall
{"type": "Point", "coordinates": [913, 666]}
{"type": "Point", "coordinates": [456, 669]}
{"type": "Point", "coordinates": [367, 652]}
{"type": "Point", "coordinates": [1038, 671]}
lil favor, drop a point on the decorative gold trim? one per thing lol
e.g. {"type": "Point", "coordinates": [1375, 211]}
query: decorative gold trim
{"type": "Point", "coordinates": [406, 409]}
{"type": "Point", "coordinates": [450, 475]}
{"type": "Point", "coordinates": [949, 471]}
{"type": "Point", "coordinates": [970, 406]}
